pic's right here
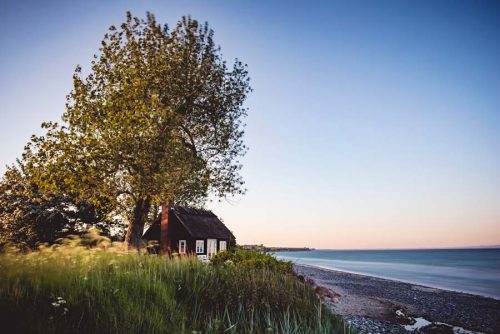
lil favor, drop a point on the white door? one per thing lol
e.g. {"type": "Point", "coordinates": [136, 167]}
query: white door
{"type": "Point", "coordinates": [211, 247]}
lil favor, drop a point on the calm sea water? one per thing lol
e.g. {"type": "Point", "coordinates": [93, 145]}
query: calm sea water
{"type": "Point", "coordinates": [475, 271]}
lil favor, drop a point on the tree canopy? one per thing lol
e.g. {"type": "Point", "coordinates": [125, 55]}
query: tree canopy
{"type": "Point", "coordinates": [159, 117]}
{"type": "Point", "coordinates": [29, 217]}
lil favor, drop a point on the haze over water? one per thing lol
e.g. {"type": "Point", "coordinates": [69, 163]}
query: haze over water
{"type": "Point", "coordinates": [475, 271]}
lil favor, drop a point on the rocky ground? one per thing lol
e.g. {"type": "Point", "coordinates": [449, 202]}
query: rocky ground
{"type": "Point", "coordinates": [376, 305]}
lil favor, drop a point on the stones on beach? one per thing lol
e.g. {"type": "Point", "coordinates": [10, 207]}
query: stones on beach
{"type": "Point", "coordinates": [322, 292]}
{"type": "Point", "coordinates": [325, 293]}
{"type": "Point", "coordinates": [300, 278]}
{"type": "Point", "coordinates": [400, 313]}
{"type": "Point", "coordinates": [365, 325]}
{"type": "Point", "coordinates": [437, 329]}
{"type": "Point", "coordinates": [401, 318]}
{"type": "Point", "coordinates": [370, 305]}
{"type": "Point", "coordinates": [417, 324]}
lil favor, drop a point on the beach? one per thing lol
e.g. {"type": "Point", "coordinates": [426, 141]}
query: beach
{"type": "Point", "coordinates": [378, 305]}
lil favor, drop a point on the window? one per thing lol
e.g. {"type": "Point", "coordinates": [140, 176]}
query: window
{"type": "Point", "coordinates": [200, 246]}
{"type": "Point", "coordinates": [222, 246]}
{"type": "Point", "coordinates": [182, 246]}
{"type": "Point", "coordinates": [211, 247]}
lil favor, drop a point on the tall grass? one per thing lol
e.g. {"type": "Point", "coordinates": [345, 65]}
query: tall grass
{"type": "Point", "coordinates": [76, 289]}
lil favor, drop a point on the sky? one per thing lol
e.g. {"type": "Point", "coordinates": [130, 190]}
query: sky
{"type": "Point", "coordinates": [372, 124]}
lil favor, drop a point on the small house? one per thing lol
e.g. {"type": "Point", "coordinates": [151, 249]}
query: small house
{"type": "Point", "coordinates": [186, 230]}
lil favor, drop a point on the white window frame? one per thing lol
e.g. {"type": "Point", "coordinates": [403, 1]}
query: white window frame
{"type": "Point", "coordinates": [222, 242]}
{"type": "Point", "coordinates": [200, 246]}
{"type": "Point", "coordinates": [182, 246]}
{"type": "Point", "coordinates": [211, 247]}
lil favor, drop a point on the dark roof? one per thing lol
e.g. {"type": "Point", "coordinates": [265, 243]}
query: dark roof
{"type": "Point", "coordinates": [198, 222]}
{"type": "Point", "coordinates": [202, 223]}
{"type": "Point", "coordinates": [153, 232]}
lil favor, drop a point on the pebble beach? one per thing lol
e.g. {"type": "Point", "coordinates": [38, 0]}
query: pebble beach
{"type": "Point", "coordinates": [377, 305]}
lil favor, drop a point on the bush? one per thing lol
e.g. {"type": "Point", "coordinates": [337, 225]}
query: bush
{"type": "Point", "coordinates": [73, 288]}
{"type": "Point", "coordinates": [251, 259]}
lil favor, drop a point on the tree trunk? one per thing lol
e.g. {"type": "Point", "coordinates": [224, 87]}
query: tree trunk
{"type": "Point", "coordinates": [133, 239]}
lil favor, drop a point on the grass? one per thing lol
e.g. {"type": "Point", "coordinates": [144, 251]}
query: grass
{"type": "Point", "coordinates": [76, 289]}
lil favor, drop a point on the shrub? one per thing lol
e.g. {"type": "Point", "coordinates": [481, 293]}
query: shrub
{"type": "Point", "coordinates": [251, 259]}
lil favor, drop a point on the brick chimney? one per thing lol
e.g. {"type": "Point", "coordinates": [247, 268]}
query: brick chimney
{"type": "Point", "coordinates": [164, 228]}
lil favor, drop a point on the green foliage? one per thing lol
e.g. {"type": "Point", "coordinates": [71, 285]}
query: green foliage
{"type": "Point", "coordinates": [251, 259]}
{"type": "Point", "coordinates": [158, 118]}
{"type": "Point", "coordinates": [76, 289]}
{"type": "Point", "coordinates": [29, 217]}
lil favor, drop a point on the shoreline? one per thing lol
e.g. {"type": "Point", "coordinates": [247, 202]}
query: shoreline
{"type": "Point", "coordinates": [382, 305]}
{"type": "Point", "coordinates": [400, 281]}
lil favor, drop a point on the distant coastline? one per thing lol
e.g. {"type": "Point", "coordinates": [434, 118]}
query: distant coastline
{"type": "Point", "coordinates": [268, 249]}
{"type": "Point", "coordinates": [288, 249]}
{"type": "Point", "coordinates": [407, 248]}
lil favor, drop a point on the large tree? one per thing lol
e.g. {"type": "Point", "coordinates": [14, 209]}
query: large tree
{"type": "Point", "coordinates": [158, 118]}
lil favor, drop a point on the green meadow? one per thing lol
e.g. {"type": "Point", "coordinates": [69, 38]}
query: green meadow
{"type": "Point", "coordinates": [90, 285]}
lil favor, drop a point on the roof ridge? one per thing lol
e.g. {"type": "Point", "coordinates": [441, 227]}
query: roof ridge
{"type": "Point", "coordinates": [183, 224]}
{"type": "Point", "coordinates": [193, 211]}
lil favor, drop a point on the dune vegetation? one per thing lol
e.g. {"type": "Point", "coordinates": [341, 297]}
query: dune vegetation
{"type": "Point", "coordinates": [89, 285]}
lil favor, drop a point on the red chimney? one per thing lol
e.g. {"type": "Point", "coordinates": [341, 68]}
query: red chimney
{"type": "Point", "coordinates": [164, 237]}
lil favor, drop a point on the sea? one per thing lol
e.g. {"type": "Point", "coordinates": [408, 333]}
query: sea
{"type": "Point", "coordinates": [475, 271]}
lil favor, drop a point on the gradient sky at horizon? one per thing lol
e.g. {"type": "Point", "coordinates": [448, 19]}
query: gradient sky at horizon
{"type": "Point", "coordinates": [371, 125]}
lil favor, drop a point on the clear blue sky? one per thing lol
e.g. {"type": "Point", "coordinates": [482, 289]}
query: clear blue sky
{"type": "Point", "coordinates": [372, 123]}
